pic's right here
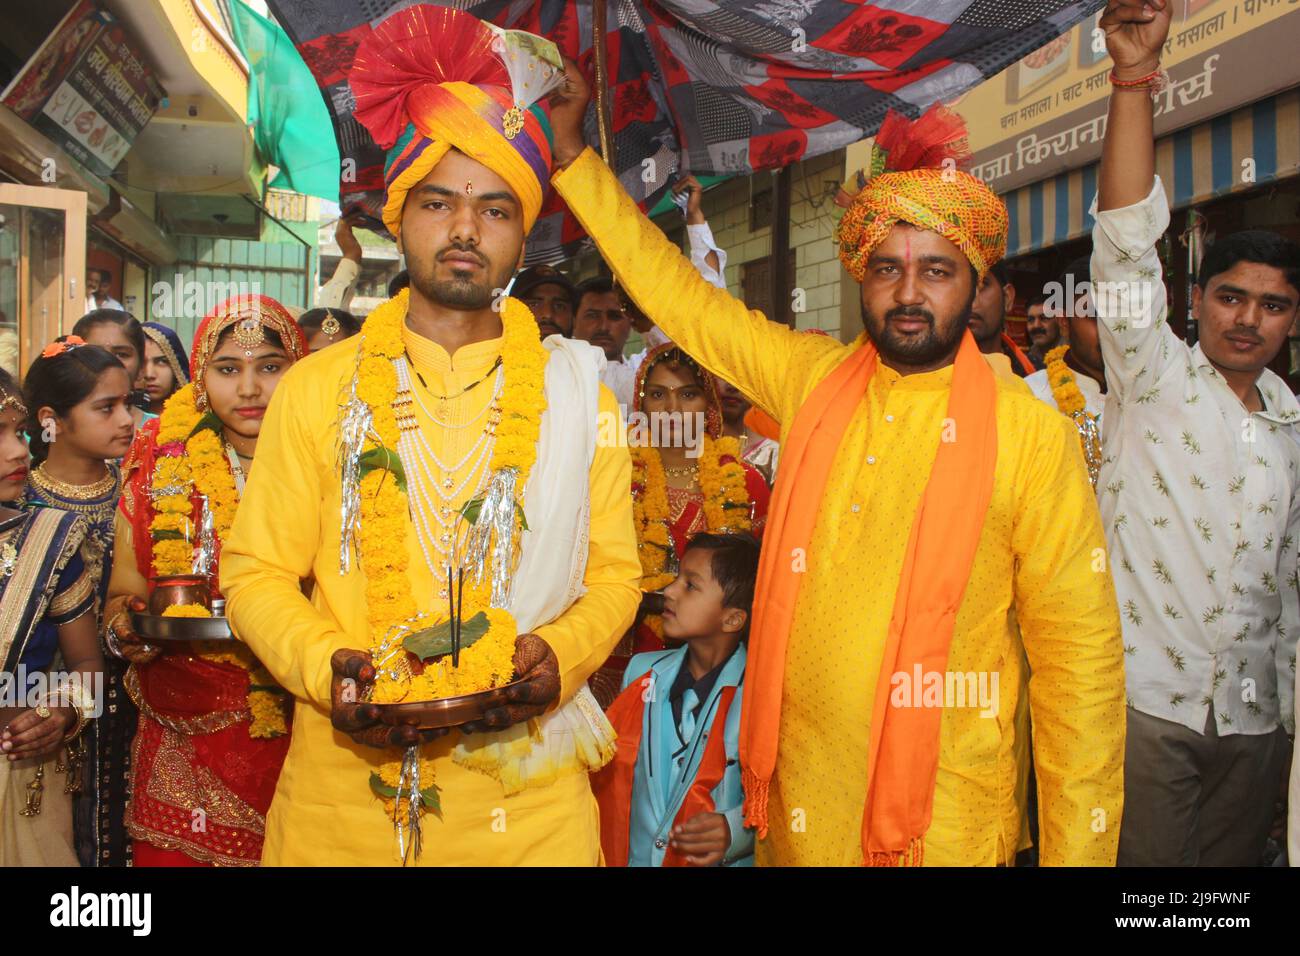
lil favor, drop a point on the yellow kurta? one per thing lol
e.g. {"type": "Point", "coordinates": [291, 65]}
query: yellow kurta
{"type": "Point", "coordinates": [1040, 562]}
{"type": "Point", "coordinates": [287, 528]}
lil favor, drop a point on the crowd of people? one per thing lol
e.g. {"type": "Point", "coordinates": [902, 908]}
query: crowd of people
{"type": "Point", "coordinates": [925, 598]}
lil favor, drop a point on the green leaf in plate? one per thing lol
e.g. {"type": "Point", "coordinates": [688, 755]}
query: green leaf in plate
{"type": "Point", "coordinates": [432, 642]}
{"type": "Point", "coordinates": [382, 789]}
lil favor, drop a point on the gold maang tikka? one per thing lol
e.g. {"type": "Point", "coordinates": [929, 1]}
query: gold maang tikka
{"type": "Point", "coordinates": [330, 326]}
{"type": "Point", "coordinates": [248, 334]}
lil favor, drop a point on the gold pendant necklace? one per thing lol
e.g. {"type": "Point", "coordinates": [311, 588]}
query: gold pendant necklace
{"type": "Point", "coordinates": [97, 489]}
{"type": "Point", "coordinates": [686, 471]}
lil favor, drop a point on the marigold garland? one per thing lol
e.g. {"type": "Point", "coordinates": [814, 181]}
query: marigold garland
{"type": "Point", "coordinates": [385, 520]}
{"type": "Point", "coordinates": [1069, 399]}
{"type": "Point", "coordinates": [189, 458]}
{"type": "Point", "coordinates": [727, 506]}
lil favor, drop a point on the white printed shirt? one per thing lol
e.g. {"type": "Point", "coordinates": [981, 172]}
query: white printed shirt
{"type": "Point", "coordinates": [1199, 502]}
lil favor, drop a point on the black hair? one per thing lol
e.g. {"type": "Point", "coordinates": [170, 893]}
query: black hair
{"type": "Point", "coordinates": [1251, 245]}
{"type": "Point", "coordinates": [734, 563]}
{"type": "Point", "coordinates": [596, 285]}
{"type": "Point", "coordinates": [999, 271]}
{"type": "Point", "coordinates": [62, 382]}
{"type": "Point", "coordinates": [131, 326]}
{"type": "Point", "coordinates": [311, 320]}
{"type": "Point", "coordinates": [398, 282]}
{"type": "Point", "coordinates": [9, 385]}
{"type": "Point", "coordinates": [1077, 272]}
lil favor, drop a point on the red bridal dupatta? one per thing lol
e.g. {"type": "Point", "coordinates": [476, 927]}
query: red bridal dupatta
{"type": "Point", "coordinates": [200, 784]}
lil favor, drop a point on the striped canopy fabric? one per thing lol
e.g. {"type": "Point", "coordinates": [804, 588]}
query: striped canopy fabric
{"type": "Point", "coordinates": [710, 86]}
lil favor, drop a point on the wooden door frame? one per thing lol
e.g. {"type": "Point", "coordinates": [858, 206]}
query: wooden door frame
{"type": "Point", "coordinates": [72, 203]}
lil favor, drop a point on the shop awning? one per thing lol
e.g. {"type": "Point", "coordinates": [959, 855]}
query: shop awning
{"type": "Point", "coordinates": [1240, 150]}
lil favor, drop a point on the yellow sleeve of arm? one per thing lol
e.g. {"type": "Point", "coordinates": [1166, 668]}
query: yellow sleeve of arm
{"type": "Point", "coordinates": [125, 577]}
{"type": "Point", "coordinates": [273, 542]}
{"type": "Point", "coordinates": [584, 635]}
{"type": "Point", "coordinates": [1069, 622]}
{"type": "Point", "coordinates": [729, 339]}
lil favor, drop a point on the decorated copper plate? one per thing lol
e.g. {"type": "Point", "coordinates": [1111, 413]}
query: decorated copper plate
{"type": "Point", "coordinates": [157, 628]}
{"type": "Point", "coordinates": [446, 712]}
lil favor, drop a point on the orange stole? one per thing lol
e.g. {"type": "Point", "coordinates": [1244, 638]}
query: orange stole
{"type": "Point", "coordinates": [1018, 355]}
{"type": "Point", "coordinates": [904, 754]}
{"type": "Point", "coordinates": [612, 784]}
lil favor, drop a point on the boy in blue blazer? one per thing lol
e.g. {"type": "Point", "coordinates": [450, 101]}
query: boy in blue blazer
{"type": "Point", "coordinates": [672, 794]}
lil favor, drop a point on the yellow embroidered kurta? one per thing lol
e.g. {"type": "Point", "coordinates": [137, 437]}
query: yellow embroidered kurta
{"type": "Point", "coordinates": [1040, 564]}
{"type": "Point", "coordinates": [287, 528]}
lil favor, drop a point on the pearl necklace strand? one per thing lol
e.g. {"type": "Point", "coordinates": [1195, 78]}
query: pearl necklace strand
{"type": "Point", "coordinates": [416, 454]}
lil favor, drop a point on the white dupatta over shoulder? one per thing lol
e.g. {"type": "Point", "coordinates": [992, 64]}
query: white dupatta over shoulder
{"type": "Point", "coordinates": [575, 736]}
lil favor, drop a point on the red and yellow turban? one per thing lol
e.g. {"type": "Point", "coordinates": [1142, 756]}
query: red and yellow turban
{"type": "Point", "coordinates": [430, 79]}
{"type": "Point", "coordinates": [914, 178]}
{"type": "Point", "coordinates": [252, 313]}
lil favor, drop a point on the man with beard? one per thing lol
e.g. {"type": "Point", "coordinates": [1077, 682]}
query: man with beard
{"type": "Point", "coordinates": [929, 515]}
{"type": "Point", "coordinates": [550, 296]}
{"type": "Point", "coordinates": [988, 321]}
{"type": "Point", "coordinates": [1043, 330]}
{"type": "Point", "coordinates": [455, 400]}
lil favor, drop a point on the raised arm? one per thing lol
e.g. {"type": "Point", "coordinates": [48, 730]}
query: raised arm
{"type": "Point", "coordinates": [708, 259]}
{"type": "Point", "coordinates": [740, 344]}
{"type": "Point", "coordinates": [337, 293]}
{"type": "Point", "coordinates": [1131, 212]}
{"type": "Point", "coordinates": [1069, 622]}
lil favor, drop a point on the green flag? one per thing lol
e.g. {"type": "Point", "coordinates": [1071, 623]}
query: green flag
{"type": "Point", "coordinates": [291, 125]}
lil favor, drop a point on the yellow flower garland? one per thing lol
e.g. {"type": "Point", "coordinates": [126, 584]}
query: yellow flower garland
{"type": "Point", "coordinates": [385, 520]}
{"type": "Point", "coordinates": [190, 459]}
{"type": "Point", "coordinates": [726, 503]}
{"type": "Point", "coordinates": [1069, 399]}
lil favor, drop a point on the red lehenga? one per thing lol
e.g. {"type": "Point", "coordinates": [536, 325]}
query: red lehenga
{"type": "Point", "coordinates": [214, 728]}
{"type": "Point", "coordinates": [200, 784]}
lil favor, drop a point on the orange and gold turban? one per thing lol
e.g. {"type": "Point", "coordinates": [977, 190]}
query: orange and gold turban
{"type": "Point", "coordinates": [914, 178]}
{"type": "Point", "coordinates": [430, 79]}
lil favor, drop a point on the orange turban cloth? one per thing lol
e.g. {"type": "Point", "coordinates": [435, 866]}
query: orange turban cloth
{"type": "Point", "coordinates": [430, 79]}
{"type": "Point", "coordinates": [914, 178]}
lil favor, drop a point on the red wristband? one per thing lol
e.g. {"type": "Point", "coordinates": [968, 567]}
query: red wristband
{"type": "Point", "coordinates": [1155, 80]}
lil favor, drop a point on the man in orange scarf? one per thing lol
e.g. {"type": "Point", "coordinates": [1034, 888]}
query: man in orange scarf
{"type": "Point", "coordinates": [887, 722]}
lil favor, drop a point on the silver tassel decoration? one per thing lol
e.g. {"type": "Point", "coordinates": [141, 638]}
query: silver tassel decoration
{"type": "Point", "coordinates": [356, 423]}
{"type": "Point", "coordinates": [493, 531]}
{"type": "Point", "coordinates": [408, 789]}
{"type": "Point", "coordinates": [205, 554]}
{"type": "Point", "coordinates": [1090, 432]}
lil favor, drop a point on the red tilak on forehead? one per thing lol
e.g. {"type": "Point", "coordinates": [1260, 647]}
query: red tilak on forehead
{"type": "Point", "coordinates": [907, 238]}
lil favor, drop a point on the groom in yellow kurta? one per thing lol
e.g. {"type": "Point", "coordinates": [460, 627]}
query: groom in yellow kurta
{"type": "Point", "coordinates": [1038, 597]}
{"type": "Point", "coordinates": [461, 222]}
